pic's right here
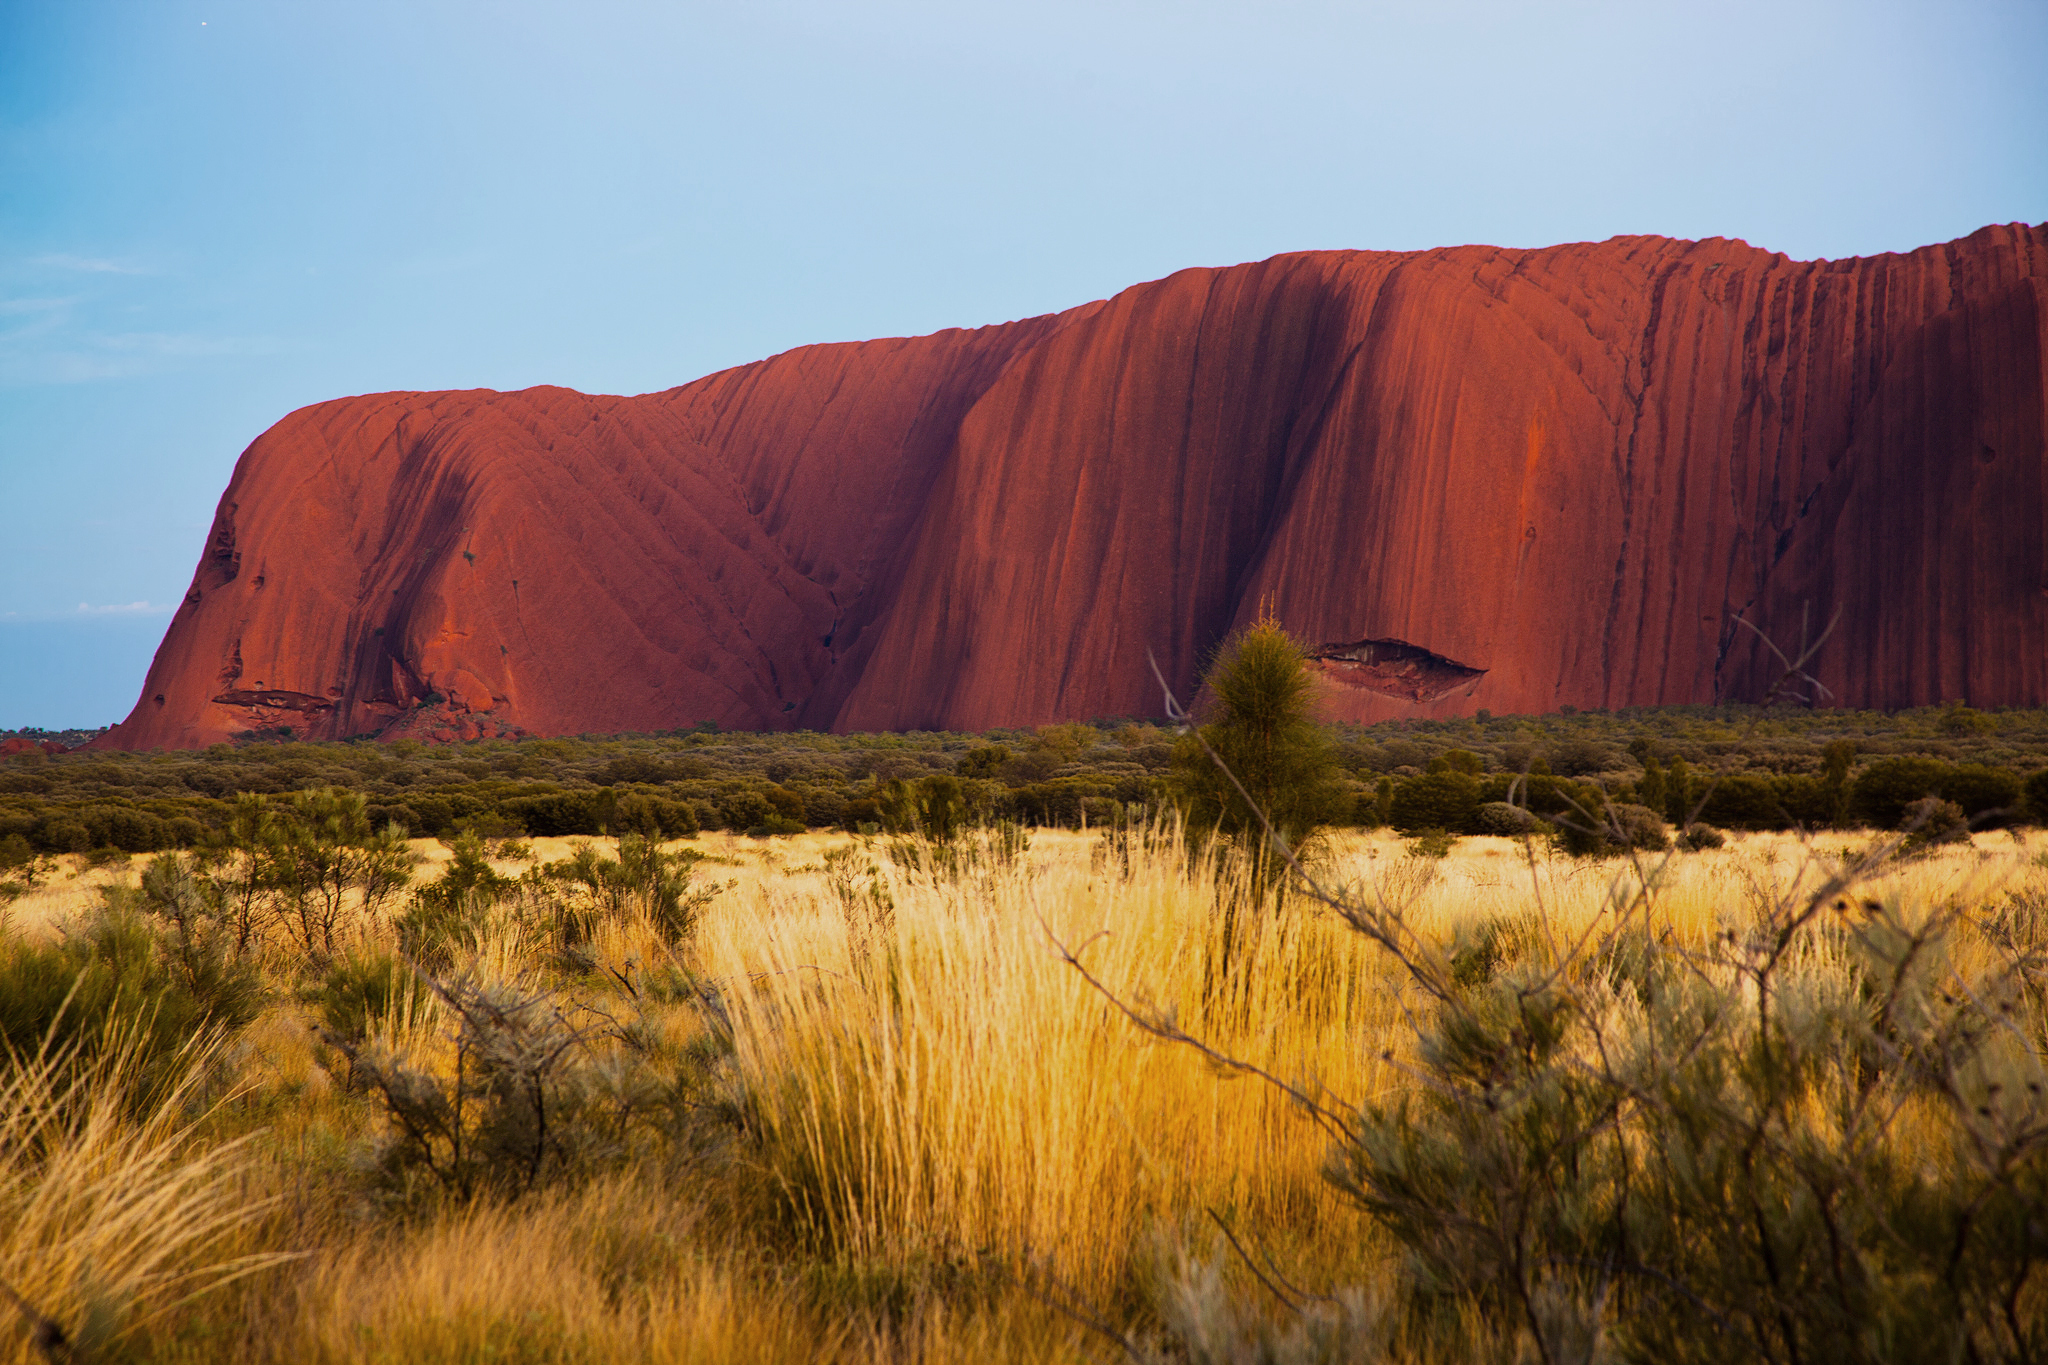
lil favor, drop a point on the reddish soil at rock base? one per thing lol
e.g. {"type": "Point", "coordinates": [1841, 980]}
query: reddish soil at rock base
{"type": "Point", "coordinates": [1471, 477]}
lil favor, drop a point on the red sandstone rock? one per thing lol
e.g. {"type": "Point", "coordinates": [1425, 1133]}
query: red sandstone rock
{"type": "Point", "coordinates": [1473, 477]}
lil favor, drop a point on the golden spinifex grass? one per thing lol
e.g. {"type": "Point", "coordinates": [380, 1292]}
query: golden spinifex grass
{"type": "Point", "coordinates": [113, 1217]}
{"type": "Point", "coordinates": [916, 1126]}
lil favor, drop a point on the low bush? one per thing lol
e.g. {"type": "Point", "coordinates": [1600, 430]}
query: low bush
{"type": "Point", "coordinates": [117, 981]}
{"type": "Point", "coordinates": [1507, 821]}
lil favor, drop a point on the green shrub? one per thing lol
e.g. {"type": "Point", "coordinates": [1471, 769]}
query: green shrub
{"type": "Point", "coordinates": [642, 877]}
{"type": "Point", "coordinates": [359, 989]}
{"type": "Point", "coordinates": [1989, 797]}
{"type": "Point", "coordinates": [1606, 830]}
{"type": "Point", "coordinates": [1820, 1135]}
{"type": "Point", "coordinates": [1272, 762]}
{"type": "Point", "coordinates": [1505, 820]}
{"type": "Point", "coordinates": [64, 836]}
{"type": "Point", "coordinates": [446, 915]}
{"type": "Point", "coordinates": [1932, 822]}
{"type": "Point", "coordinates": [113, 981]}
{"type": "Point", "coordinates": [1881, 792]}
{"type": "Point", "coordinates": [1744, 801]}
{"type": "Point", "coordinates": [1432, 843]}
{"type": "Point", "coordinates": [1445, 800]}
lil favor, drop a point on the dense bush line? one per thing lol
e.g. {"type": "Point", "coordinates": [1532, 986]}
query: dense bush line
{"type": "Point", "coordinates": [1738, 769]}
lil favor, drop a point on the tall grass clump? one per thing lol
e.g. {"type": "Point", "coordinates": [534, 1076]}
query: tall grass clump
{"type": "Point", "coordinates": [956, 1106]}
{"type": "Point", "coordinates": [112, 1213]}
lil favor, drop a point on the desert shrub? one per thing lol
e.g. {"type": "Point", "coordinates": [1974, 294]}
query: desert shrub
{"type": "Point", "coordinates": [530, 1101]}
{"type": "Point", "coordinates": [1988, 796]}
{"type": "Point", "coordinates": [325, 857]}
{"type": "Point", "coordinates": [1272, 765]}
{"type": "Point", "coordinates": [15, 853]}
{"type": "Point", "coordinates": [1744, 801]}
{"type": "Point", "coordinates": [63, 836]}
{"type": "Point", "coordinates": [1608, 829]}
{"type": "Point", "coordinates": [1699, 836]}
{"type": "Point", "coordinates": [1505, 820]}
{"type": "Point", "coordinates": [1433, 843]}
{"type": "Point", "coordinates": [1881, 792]}
{"type": "Point", "coordinates": [1446, 800]}
{"type": "Point", "coordinates": [1931, 822]}
{"type": "Point", "coordinates": [985, 761]}
{"type": "Point", "coordinates": [1711, 1172]}
{"type": "Point", "coordinates": [643, 878]}
{"type": "Point", "coordinates": [744, 809]}
{"type": "Point", "coordinates": [199, 936]}
{"type": "Point", "coordinates": [113, 982]}
{"type": "Point", "coordinates": [124, 828]}
{"type": "Point", "coordinates": [1822, 1134]}
{"type": "Point", "coordinates": [359, 989]}
{"type": "Point", "coordinates": [1582, 758]}
{"type": "Point", "coordinates": [446, 915]}
{"type": "Point", "coordinates": [554, 815]}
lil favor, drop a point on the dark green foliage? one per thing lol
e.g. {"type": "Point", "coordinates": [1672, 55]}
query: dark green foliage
{"type": "Point", "coordinates": [1698, 837]}
{"type": "Point", "coordinates": [642, 877]}
{"type": "Point", "coordinates": [359, 989]}
{"type": "Point", "coordinates": [1509, 821]}
{"type": "Point", "coordinates": [2036, 797]}
{"type": "Point", "coordinates": [1274, 758]}
{"type": "Point", "coordinates": [117, 980]}
{"type": "Point", "coordinates": [1744, 801]}
{"type": "Point", "coordinates": [986, 761]}
{"type": "Point", "coordinates": [1882, 792]}
{"type": "Point", "coordinates": [446, 915]}
{"type": "Point", "coordinates": [1607, 829]}
{"type": "Point", "coordinates": [1988, 796]}
{"type": "Point", "coordinates": [1440, 800]}
{"type": "Point", "coordinates": [663, 785]}
{"type": "Point", "coordinates": [1931, 822]}
{"type": "Point", "coordinates": [1580, 757]}
{"type": "Point", "coordinates": [15, 853]}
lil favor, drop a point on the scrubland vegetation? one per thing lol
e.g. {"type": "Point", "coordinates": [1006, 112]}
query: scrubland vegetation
{"type": "Point", "coordinates": [1275, 1050]}
{"type": "Point", "coordinates": [1757, 770]}
{"type": "Point", "coordinates": [857, 1105]}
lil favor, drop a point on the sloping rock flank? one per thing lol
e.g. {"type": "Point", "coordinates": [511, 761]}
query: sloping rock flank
{"type": "Point", "coordinates": [1468, 478]}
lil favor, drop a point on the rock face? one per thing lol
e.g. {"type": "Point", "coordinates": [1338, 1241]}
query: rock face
{"type": "Point", "coordinates": [1471, 477]}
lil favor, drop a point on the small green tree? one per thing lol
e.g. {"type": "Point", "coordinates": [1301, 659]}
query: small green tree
{"type": "Point", "coordinates": [326, 849]}
{"type": "Point", "coordinates": [1263, 751]}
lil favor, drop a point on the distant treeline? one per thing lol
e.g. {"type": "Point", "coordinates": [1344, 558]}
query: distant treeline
{"type": "Point", "coordinates": [1740, 768]}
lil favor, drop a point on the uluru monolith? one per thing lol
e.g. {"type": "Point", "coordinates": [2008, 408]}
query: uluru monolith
{"type": "Point", "coordinates": [1470, 478]}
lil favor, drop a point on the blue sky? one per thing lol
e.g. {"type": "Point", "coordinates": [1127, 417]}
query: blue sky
{"type": "Point", "coordinates": [214, 213]}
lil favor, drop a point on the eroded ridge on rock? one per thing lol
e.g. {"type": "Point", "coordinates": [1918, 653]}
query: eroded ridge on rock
{"type": "Point", "coordinates": [1559, 474]}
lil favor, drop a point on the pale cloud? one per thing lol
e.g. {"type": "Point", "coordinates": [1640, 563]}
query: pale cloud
{"type": "Point", "coordinates": [87, 265]}
{"type": "Point", "coordinates": [43, 349]}
{"type": "Point", "coordinates": [122, 609]}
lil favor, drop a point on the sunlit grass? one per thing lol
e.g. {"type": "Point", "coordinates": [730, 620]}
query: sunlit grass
{"type": "Point", "coordinates": [937, 1122]}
